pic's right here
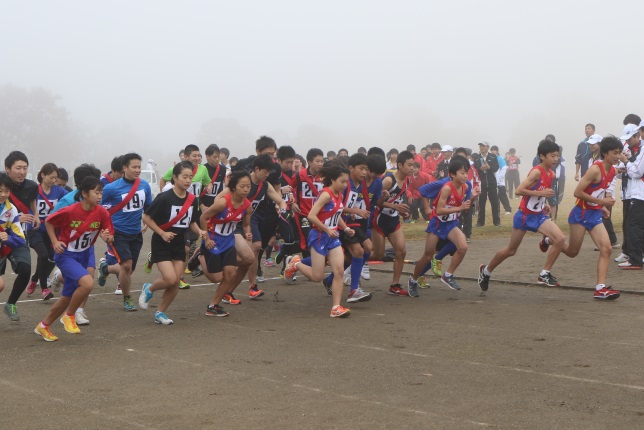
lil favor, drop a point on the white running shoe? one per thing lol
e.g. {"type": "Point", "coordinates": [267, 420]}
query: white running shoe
{"type": "Point", "coordinates": [358, 295]}
{"type": "Point", "coordinates": [346, 278]}
{"type": "Point", "coordinates": [365, 272]}
{"type": "Point", "coordinates": [81, 318]}
{"type": "Point", "coordinates": [118, 290]}
{"type": "Point", "coordinates": [621, 258]}
{"type": "Point", "coordinates": [55, 283]}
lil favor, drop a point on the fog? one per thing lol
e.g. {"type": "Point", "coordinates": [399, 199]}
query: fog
{"type": "Point", "coordinates": [153, 76]}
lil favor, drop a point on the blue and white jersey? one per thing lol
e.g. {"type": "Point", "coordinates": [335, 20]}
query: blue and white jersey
{"type": "Point", "coordinates": [128, 219]}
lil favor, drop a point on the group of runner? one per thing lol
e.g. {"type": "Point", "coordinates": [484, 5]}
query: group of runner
{"type": "Point", "coordinates": [221, 218]}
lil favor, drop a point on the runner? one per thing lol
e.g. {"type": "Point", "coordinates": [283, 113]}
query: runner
{"type": "Point", "coordinates": [23, 197]}
{"type": "Point", "coordinates": [48, 195]}
{"type": "Point", "coordinates": [308, 184]}
{"type": "Point", "coordinates": [323, 240]}
{"type": "Point", "coordinates": [532, 215]}
{"type": "Point", "coordinates": [126, 199]}
{"type": "Point", "coordinates": [169, 215]}
{"type": "Point", "coordinates": [79, 225]}
{"type": "Point", "coordinates": [115, 173]}
{"type": "Point", "coordinates": [221, 220]}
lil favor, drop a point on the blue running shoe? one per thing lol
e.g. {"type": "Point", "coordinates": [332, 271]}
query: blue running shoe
{"type": "Point", "coordinates": [145, 296]}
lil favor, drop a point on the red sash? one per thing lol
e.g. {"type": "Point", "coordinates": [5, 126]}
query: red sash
{"type": "Point", "coordinates": [184, 209]}
{"type": "Point", "coordinates": [44, 197]}
{"type": "Point", "coordinates": [214, 178]}
{"type": "Point", "coordinates": [337, 204]}
{"type": "Point", "coordinates": [259, 188]}
{"type": "Point", "coordinates": [18, 204]}
{"type": "Point", "coordinates": [402, 189]}
{"type": "Point", "coordinates": [290, 180]}
{"type": "Point", "coordinates": [81, 230]}
{"type": "Point", "coordinates": [305, 178]}
{"type": "Point", "coordinates": [128, 197]}
{"type": "Point", "coordinates": [235, 214]}
{"type": "Point", "coordinates": [108, 178]}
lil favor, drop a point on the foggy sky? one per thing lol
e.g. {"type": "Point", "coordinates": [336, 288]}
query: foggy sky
{"type": "Point", "coordinates": [333, 74]}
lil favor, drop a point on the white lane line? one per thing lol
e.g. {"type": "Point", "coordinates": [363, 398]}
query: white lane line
{"type": "Point", "coordinates": [498, 366]}
{"type": "Point", "coordinates": [321, 391]}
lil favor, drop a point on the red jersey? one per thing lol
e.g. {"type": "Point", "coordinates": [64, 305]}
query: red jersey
{"type": "Point", "coordinates": [473, 176]}
{"type": "Point", "coordinates": [416, 182]}
{"type": "Point", "coordinates": [598, 190]}
{"type": "Point", "coordinates": [418, 158]}
{"type": "Point", "coordinates": [431, 165]}
{"type": "Point", "coordinates": [307, 190]}
{"type": "Point", "coordinates": [329, 215]}
{"type": "Point", "coordinates": [454, 200]}
{"type": "Point", "coordinates": [534, 204]}
{"type": "Point", "coordinates": [74, 219]}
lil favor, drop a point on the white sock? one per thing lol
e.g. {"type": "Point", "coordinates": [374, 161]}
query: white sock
{"type": "Point", "coordinates": [547, 240]}
{"type": "Point", "coordinates": [599, 287]}
{"type": "Point", "coordinates": [544, 272]}
{"type": "Point", "coordinates": [447, 274]}
{"type": "Point", "coordinates": [79, 310]}
{"type": "Point", "coordinates": [486, 272]}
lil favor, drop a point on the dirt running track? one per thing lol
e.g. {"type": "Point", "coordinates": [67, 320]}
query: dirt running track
{"type": "Point", "coordinates": [517, 357]}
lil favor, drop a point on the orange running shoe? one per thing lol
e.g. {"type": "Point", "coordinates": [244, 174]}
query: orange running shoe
{"type": "Point", "coordinates": [254, 292]}
{"type": "Point", "coordinates": [340, 312]}
{"type": "Point", "coordinates": [291, 270]}
{"type": "Point", "coordinates": [230, 299]}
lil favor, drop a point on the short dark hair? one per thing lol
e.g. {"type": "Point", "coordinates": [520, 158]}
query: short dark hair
{"type": "Point", "coordinates": [376, 150]}
{"type": "Point", "coordinates": [264, 142]}
{"type": "Point", "coordinates": [551, 137]}
{"type": "Point", "coordinates": [376, 164]}
{"type": "Point", "coordinates": [302, 160]}
{"type": "Point", "coordinates": [46, 169]}
{"type": "Point", "coordinates": [457, 163]}
{"type": "Point", "coordinates": [357, 160]}
{"type": "Point", "coordinates": [411, 147]}
{"type": "Point", "coordinates": [224, 151]}
{"type": "Point", "coordinates": [460, 150]}
{"type": "Point", "coordinates": [5, 181]}
{"type": "Point", "coordinates": [285, 152]}
{"type": "Point", "coordinates": [331, 172]}
{"type": "Point", "coordinates": [233, 159]}
{"type": "Point", "coordinates": [494, 148]}
{"type": "Point", "coordinates": [178, 168]}
{"type": "Point", "coordinates": [62, 174]}
{"type": "Point", "coordinates": [593, 126]}
{"type": "Point", "coordinates": [331, 154]}
{"type": "Point", "coordinates": [263, 162]}
{"type": "Point", "coordinates": [235, 177]}
{"type": "Point", "coordinates": [546, 147]}
{"type": "Point", "coordinates": [117, 164]}
{"type": "Point", "coordinates": [13, 157]}
{"type": "Point", "coordinates": [129, 157]}
{"type": "Point", "coordinates": [83, 171]}
{"type": "Point", "coordinates": [610, 143]}
{"type": "Point", "coordinates": [313, 152]}
{"type": "Point", "coordinates": [436, 145]}
{"type": "Point", "coordinates": [362, 149]}
{"type": "Point", "coordinates": [211, 149]}
{"type": "Point", "coordinates": [403, 157]}
{"type": "Point", "coordinates": [343, 149]}
{"type": "Point", "coordinates": [189, 149]}
{"type": "Point", "coordinates": [88, 184]}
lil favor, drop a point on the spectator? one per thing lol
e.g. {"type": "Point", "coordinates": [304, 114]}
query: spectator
{"type": "Point", "coordinates": [330, 155]}
{"type": "Point", "coordinates": [362, 150]}
{"type": "Point", "coordinates": [443, 166]}
{"type": "Point", "coordinates": [487, 165]}
{"type": "Point", "coordinates": [512, 176]}
{"type": "Point", "coordinates": [417, 157]}
{"type": "Point", "coordinates": [343, 153]}
{"type": "Point", "coordinates": [392, 156]}
{"type": "Point", "coordinates": [500, 180]}
{"type": "Point", "coordinates": [583, 153]}
{"type": "Point", "coordinates": [416, 180]}
{"type": "Point", "coordinates": [433, 159]}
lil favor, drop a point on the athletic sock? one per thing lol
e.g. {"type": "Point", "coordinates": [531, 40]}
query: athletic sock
{"type": "Point", "coordinates": [447, 274]}
{"type": "Point", "coordinates": [599, 287]}
{"type": "Point", "coordinates": [544, 272]}
{"type": "Point", "coordinates": [80, 310]}
{"type": "Point", "coordinates": [426, 269]}
{"type": "Point", "coordinates": [486, 272]}
{"type": "Point", "coordinates": [356, 270]}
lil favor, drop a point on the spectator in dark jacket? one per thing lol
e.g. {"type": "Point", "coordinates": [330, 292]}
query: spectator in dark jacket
{"type": "Point", "coordinates": [583, 153]}
{"type": "Point", "coordinates": [487, 165]}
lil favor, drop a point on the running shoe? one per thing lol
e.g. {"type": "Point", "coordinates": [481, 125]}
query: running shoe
{"type": "Point", "coordinates": [45, 333]}
{"type": "Point", "coordinates": [626, 265]}
{"type": "Point", "coordinates": [606, 294]}
{"type": "Point", "coordinates": [216, 311]}
{"type": "Point", "coordinates": [269, 262]}
{"type": "Point", "coordinates": [254, 292]}
{"type": "Point", "coordinates": [162, 318]}
{"type": "Point", "coordinates": [128, 304]}
{"type": "Point", "coordinates": [397, 290]}
{"type": "Point", "coordinates": [423, 281]}
{"type": "Point", "coordinates": [193, 263]}
{"type": "Point", "coordinates": [260, 275]}
{"type": "Point", "coordinates": [450, 282]}
{"type": "Point", "coordinates": [55, 283]}
{"type": "Point", "coordinates": [183, 285]}
{"type": "Point", "coordinates": [616, 245]}
{"type": "Point", "coordinates": [339, 312]}
{"type": "Point", "coordinates": [413, 287]}
{"type": "Point", "coordinates": [12, 312]}
{"type": "Point", "coordinates": [187, 271]}
{"type": "Point", "coordinates": [548, 279]}
{"type": "Point", "coordinates": [543, 244]}
{"type": "Point", "coordinates": [81, 318]}
{"type": "Point", "coordinates": [358, 295]}
{"type": "Point", "coordinates": [197, 272]}
{"type": "Point", "coordinates": [289, 272]}
{"type": "Point", "coordinates": [148, 263]}
{"type": "Point", "coordinates": [102, 272]}
{"type": "Point", "coordinates": [47, 294]}
{"type": "Point", "coordinates": [327, 285]}
{"type": "Point", "coordinates": [146, 296]}
{"type": "Point", "coordinates": [621, 258]}
{"type": "Point", "coordinates": [118, 290]}
{"type": "Point", "coordinates": [229, 299]}
{"type": "Point", "coordinates": [31, 287]}
{"type": "Point", "coordinates": [346, 276]}
{"type": "Point", "coordinates": [484, 280]}
{"type": "Point", "coordinates": [437, 267]}
{"type": "Point", "coordinates": [365, 274]}
{"type": "Point", "coordinates": [69, 321]}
